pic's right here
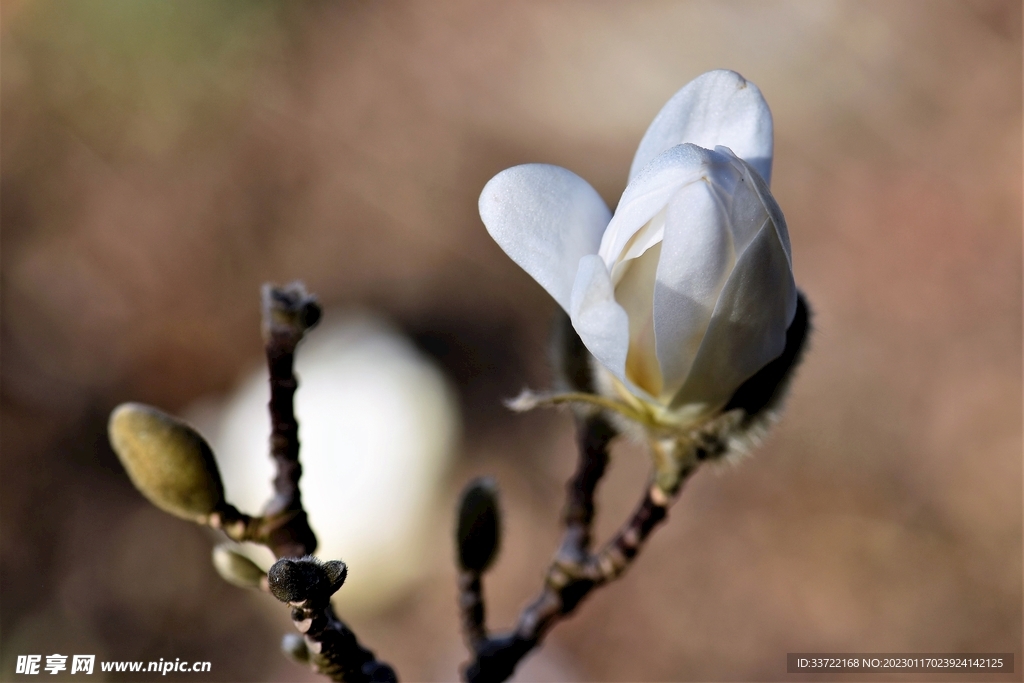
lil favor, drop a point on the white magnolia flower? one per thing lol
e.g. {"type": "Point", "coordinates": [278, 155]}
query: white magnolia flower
{"type": "Point", "coordinates": [687, 290]}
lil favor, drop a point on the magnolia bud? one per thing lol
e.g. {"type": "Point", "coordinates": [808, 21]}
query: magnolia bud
{"type": "Point", "coordinates": [168, 461]}
{"type": "Point", "coordinates": [478, 533]}
{"type": "Point", "coordinates": [236, 568]}
{"type": "Point", "coordinates": [306, 578]}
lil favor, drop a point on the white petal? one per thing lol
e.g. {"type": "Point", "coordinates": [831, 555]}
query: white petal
{"type": "Point", "coordinates": [646, 195]}
{"type": "Point", "coordinates": [737, 186]}
{"type": "Point", "coordinates": [771, 207]}
{"type": "Point", "coordinates": [716, 108]}
{"type": "Point", "coordinates": [599, 320]}
{"type": "Point", "coordinates": [546, 218]}
{"type": "Point", "coordinates": [748, 328]}
{"type": "Point", "coordinates": [696, 259]}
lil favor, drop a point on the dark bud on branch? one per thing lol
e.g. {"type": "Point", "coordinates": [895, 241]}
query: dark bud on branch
{"type": "Point", "coordinates": [167, 461]}
{"type": "Point", "coordinates": [478, 534]}
{"type": "Point", "coordinates": [306, 579]}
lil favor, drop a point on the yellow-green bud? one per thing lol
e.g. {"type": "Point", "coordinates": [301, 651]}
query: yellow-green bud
{"type": "Point", "coordinates": [168, 461]}
{"type": "Point", "coordinates": [294, 645]}
{"type": "Point", "coordinates": [236, 568]}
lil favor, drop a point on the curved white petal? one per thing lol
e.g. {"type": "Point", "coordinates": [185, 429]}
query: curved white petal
{"type": "Point", "coordinates": [717, 108]}
{"type": "Point", "coordinates": [697, 256]}
{"type": "Point", "coordinates": [645, 196]}
{"type": "Point", "coordinates": [599, 320]}
{"type": "Point", "coordinates": [737, 186]}
{"type": "Point", "coordinates": [546, 218]}
{"type": "Point", "coordinates": [748, 328]}
{"type": "Point", "coordinates": [764, 195]}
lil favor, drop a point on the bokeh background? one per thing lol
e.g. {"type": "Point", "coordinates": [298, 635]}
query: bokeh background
{"type": "Point", "coordinates": [161, 160]}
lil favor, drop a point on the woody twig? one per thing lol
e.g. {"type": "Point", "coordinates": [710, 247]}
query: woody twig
{"type": "Point", "coordinates": [298, 579]}
{"type": "Point", "coordinates": [574, 572]}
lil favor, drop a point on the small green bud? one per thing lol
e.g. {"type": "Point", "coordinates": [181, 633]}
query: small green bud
{"type": "Point", "coordinates": [478, 533]}
{"type": "Point", "coordinates": [294, 645]}
{"type": "Point", "coordinates": [236, 568]}
{"type": "Point", "coordinates": [168, 461]}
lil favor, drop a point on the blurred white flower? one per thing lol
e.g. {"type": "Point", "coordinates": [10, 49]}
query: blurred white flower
{"type": "Point", "coordinates": [378, 425]}
{"type": "Point", "coordinates": [687, 290]}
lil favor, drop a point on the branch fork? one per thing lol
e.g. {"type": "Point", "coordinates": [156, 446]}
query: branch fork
{"type": "Point", "coordinates": [574, 572]}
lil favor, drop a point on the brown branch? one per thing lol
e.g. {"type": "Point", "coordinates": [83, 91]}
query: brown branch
{"type": "Point", "coordinates": [288, 312]}
{"type": "Point", "coordinates": [306, 584]}
{"type": "Point", "coordinates": [593, 434]}
{"type": "Point", "coordinates": [303, 582]}
{"type": "Point", "coordinates": [575, 572]}
{"type": "Point", "coordinates": [472, 608]}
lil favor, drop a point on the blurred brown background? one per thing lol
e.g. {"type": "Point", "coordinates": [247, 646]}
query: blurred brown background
{"type": "Point", "coordinates": [161, 160]}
